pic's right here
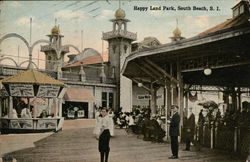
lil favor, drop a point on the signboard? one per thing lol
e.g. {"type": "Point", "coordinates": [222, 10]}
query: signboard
{"type": "Point", "coordinates": [21, 90]}
{"type": "Point", "coordinates": [143, 97]}
{"type": "Point", "coordinates": [48, 91]}
{"type": "Point", "coordinates": [21, 124]}
{"type": "Point", "coordinates": [147, 97]}
{"type": "Point", "coordinates": [46, 124]}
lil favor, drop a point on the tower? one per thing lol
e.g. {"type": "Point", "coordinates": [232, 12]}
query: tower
{"type": "Point", "coordinates": [54, 52]}
{"type": "Point", "coordinates": [176, 34]}
{"type": "Point", "coordinates": [119, 40]}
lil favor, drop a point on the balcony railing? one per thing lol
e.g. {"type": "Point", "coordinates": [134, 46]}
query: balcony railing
{"type": "Point", "coordinates": [121, 33]}
{"type": "Point", "coordinates": [6, 71]}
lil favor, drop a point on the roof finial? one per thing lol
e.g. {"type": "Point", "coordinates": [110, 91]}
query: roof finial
{"type": "Point", "coordinates": [55, 21]}
{"type": "Point", "coordinates": [177, 23]}
{"type": "Point", "coordinates": [119, 3]}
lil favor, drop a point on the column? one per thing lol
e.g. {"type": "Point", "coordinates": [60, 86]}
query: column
{"type": "Point", "coordinates": [239, 99]}
{"type": "Point", "coordinates": [55, 106]}
{"type": "Point", "coordinates": [10, 107]}
{"type": "Point", "coordinates": [186, 102]}
{"type": "Point", "coordinates": [171, 94]}
{"type": "Point", "coordinates": [212, 137]}
{"type": "Point", "coordinates": [167, 108]}
{"type": "Point", "coordinates": [1, 107]}
{"type": "Point", "coordinates": [90, 108]}
{"type": "Point", "coordinates": [153, 99]}
{"type": "Point", "coordinates": [59, 107]}
{"type": "Point", "coordinates": [235, 139]}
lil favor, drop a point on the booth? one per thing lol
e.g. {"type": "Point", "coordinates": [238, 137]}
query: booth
{"type": "Point", "coordinates": [20, 92]}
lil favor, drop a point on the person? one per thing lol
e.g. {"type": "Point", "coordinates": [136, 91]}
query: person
{"type": "Point", "coordinates": [131, 123]}
{"type": "Point", "coordinates": [111, 122]}
{"type": "Point", "coordinates": [25, 113]}
{"type": "Point", "coordinates": [103, 135]}
{"type": "Point", "coordinates": [43, 114]}
{"type": "Point", "coordinates": [97, 124]}
{"type": "Point", "coordinates": [157, 131]}
{"type": "Point", "coordinates": [201, 118]}
{"type": "Point", "coordinates": [14, 114]}
{"type": "Point", "coordinates": [174, 132]}
{"type": "Point", "coordinates": [189, 129]}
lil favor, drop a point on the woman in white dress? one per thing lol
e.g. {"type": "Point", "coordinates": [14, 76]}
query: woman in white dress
{"type": "Point", "coordinates": [103, 134]}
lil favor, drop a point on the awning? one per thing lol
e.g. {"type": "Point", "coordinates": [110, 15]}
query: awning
{"type": "Point", "coordinates": [78, 95]}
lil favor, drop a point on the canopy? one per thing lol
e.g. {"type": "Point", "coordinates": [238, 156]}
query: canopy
{"type": "Point", "coordinates": [78, 95]}
{"type": "Point", "coordinates": [31, 77]}
{"type": "Point", "coordinates": [30, 84]}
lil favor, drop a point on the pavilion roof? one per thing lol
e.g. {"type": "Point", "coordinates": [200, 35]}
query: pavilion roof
{"type": "Point", "coordinates": [31, 77]}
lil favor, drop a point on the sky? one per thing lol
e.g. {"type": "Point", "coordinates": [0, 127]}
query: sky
{"type": "Point", "coordinates": [92, 17]}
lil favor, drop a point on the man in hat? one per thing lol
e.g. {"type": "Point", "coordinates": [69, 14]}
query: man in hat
{"type": "Point", "coordinates": [189, 129]}
{"type": "Point", "coordinates": [174, 131]}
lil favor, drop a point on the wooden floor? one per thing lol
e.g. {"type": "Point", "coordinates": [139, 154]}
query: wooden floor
{"type": "Point", "coordinates": [77, 144]}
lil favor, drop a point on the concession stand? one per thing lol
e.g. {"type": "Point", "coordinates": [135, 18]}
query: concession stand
{"type": "Point", "coordinates": [30, 86]}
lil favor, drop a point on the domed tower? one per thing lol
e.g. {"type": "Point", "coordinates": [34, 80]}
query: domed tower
{"type": "Point", "coordinates": [120, 40]}
{"type": "Point", "coordinates": [177, 34]}
{"type": "Point", "coordinates": [54, 60]}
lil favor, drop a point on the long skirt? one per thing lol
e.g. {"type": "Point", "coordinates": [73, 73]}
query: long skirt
{"type": "Point", "coordinates": [104, 141]}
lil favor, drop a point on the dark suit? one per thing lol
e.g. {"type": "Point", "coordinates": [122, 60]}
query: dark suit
{"type": "Point", "coordinates": [190, 128]}
{"type": "Point", "coordinates": [174, 133]}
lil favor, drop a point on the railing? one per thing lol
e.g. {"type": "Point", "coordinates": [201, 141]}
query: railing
{"type": "Point", "coordinates": [6, 71]}
{"type": "Point", "coordinates": [231, 139]}
{"type": "Point", "coordinates": [71, 76]}
{"type": "Point", "coordinates": [121, 33]}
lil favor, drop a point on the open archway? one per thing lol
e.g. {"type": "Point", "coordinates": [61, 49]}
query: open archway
{"type": "Point", "coordinates": [9, 58]}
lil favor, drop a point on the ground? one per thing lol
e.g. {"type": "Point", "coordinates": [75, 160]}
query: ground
{"type": "Point", "coordinates": [76, 143]}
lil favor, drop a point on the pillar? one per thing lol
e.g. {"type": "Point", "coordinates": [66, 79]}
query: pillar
{"type": "Point", "coordinates": [167, 108]}
{"type": "Point", "coordinates": [10, 107]}
{"type": "Point", "coordinates": [171, 94]}
{"type": "Point", "coordinates": [1, 114]}
{"type": "Point", "coordinates": [239, 99]}
{"type": "Point", "coordinates": [153, 99]}
{"type": "Point", "coordinates": [55, 107]}
{"type": "Point", "coordinates": [235, 139]}
{"type": "Point", "coordinates": [91, 109]}
{"type": "Point", "coordinates": [59, 107]}
{"type": "Point", "coordinates": [212, 137]}
{"type": "Point", "coordinates": [186, 102]}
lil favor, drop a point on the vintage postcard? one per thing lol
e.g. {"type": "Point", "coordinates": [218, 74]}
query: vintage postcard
{"type": "Point", "coordinates": [124, 80]}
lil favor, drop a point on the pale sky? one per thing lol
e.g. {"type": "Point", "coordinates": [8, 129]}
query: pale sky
{"type": "Point", "coordinates": [93, 18]}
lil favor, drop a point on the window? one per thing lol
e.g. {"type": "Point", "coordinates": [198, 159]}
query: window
{"type": "Point", "coordinates": [241, 9]}
{"type": "Point", "coordinates": [104, 99]}
{"type": "Point", "coordinates": [236, 12]}
{"type": "Point", "coordinates": [111, 100]}
{"type": "Point", "coordinates": [107, 99]}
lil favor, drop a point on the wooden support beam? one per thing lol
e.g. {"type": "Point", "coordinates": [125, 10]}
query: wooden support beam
{"type": "Point", "coordinates": [145, 64]}
{"type": "Point", "coordinates": [152, 75]}
{"type": "Point", "coordinates": [143, 86]}
{"type": "Point", "coordinates": [161, 70]}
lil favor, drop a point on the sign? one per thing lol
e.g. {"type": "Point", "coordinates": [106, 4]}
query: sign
{"type": "Point", "coordinates": [21, 90]}
{"type": "Point", "coordinates": [48, 91]}
{"type": "Point", "coordinates": [143, 97]}
{"type": "Point", "coordinates": [147, 97]}
{"type": "Point", "coordinates": [21, 124]}
{"type": "Point", "coordinates": [46, 124]}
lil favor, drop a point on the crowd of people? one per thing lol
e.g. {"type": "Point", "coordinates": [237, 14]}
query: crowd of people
{"type": "Point", "coordinates": [231, 118]}
{"type": "Point", "coordinates": [139, 122]}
